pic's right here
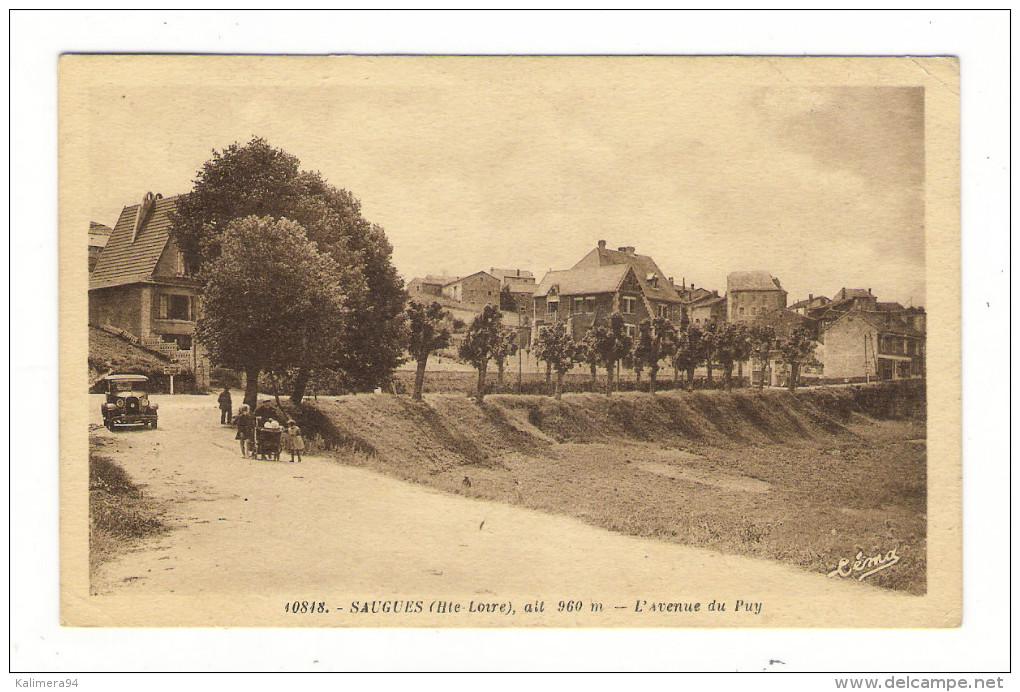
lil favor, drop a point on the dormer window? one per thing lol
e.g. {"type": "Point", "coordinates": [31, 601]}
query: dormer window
{"type": "Point", "coordinates": [653, 280]}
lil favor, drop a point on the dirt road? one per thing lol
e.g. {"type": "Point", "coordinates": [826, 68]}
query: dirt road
{"type": "Point", "coordinates": [320, 529]}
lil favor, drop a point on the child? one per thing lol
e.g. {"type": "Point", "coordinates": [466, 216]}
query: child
{"type": "Point", "coordinates": [295, 444]}
{"type": "Point", "coordinates": [245, 430]}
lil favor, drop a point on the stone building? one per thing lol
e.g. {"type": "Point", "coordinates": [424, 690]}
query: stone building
{"type": "Point", "coordinates": [750, 294]}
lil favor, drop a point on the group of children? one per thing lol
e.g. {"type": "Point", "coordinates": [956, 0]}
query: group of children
{"type": "Point", "coordinates": [291, 439]}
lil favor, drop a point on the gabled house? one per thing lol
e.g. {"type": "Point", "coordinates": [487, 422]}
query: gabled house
{"type": "Point", "coordinates": [601, 283]}
{"type": "Point", "coordinates": [139, 286]}
{"type": "Point", "coordinates": [658, 294]}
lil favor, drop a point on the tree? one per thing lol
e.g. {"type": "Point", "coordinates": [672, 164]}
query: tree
{"type": "Point", "coordinates": [257, 179]}
{"type": "Point", "coordinates": [481, 340]}
{"type": "Point", "coordinates": [506, 347]}
{"type": "Point", "coordinates": [709, 341]}
{"type": "Point", "coordinates": [426, 334]}
{"type": "Point", "coordinates": [611, 343]}
{"type": "Point", "coordinates": [656, 339]}
{"type": "Point", "coordinates": [688, 353]}
{"type": "Point", "coordinates": [587, 353]}
{"type": "Point", "coordinates": [731, 346]}
{"type": "Point", "coordinates": [798, 349]}
{"type": "Point", "coordinates": [762, 341]}
{"type": "Point", "coordinates": [559, 350]}
{"type": "Point", "coordinates": [271, 300]}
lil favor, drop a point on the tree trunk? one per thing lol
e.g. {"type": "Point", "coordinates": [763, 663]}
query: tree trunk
{"type": "Point", "coordinates": [708, 367]}
{"type": "Point", "coordinates": [728, 375]}
{"type": "Point", "coordinates": [676, 375]}
{"type": "Point", "coordinates": [594, 374]}
{"type": "Point", "coordinates": [501, 365]}
{"type": "Point", "coordinates": [652, 372]}
{"type": "Point", "coordinates": [761, 379]}
{"type": "Point", "coordinates": [548, 372]}
{"type": "Point", "coordinates": [794, 373]}
{"type": "Point", "coordinates": [559, 385]}
{"type": "Point", "coordinates": [304, 376]}
{"type": "Point", "coordinates": [251, 386]}
{"type": "Point", "coordinates": [609, 379]}
{"type": "Point", "coordinates": [419, 379]}
{"type": "Point", "coordinates": [690, 379]}
{"type": "Point", "coordinates": [481, 380]}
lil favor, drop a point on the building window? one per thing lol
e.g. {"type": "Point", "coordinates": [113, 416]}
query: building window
{"type": "Point", "coordinates": [631, 330]}
{"type": "Point", "coordinates": [552, 306]}
{"type": "Point", "coordinates": [175, 307]}
{"type": "Point", "coordinates": [741, 310]}
{"type": "Point", "coordinates": [578, 306]}
{"type": "Point", "coordinates": [663, 311]}
{"type": "Point", "coordinates": [589, 305]}
{"type": "Point", "coordinates": [628, 306]}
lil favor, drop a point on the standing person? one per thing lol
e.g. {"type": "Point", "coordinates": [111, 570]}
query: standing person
{"type": "Point", "coordinates": [293, 441]}
{"type": "Point", "coordinates": [245, 430]}
{"type": "Point", "coordinates": [226, 406]}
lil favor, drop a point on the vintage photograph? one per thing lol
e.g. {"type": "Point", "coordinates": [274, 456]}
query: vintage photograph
{"type": "Point", "coordinates": [509, 342]}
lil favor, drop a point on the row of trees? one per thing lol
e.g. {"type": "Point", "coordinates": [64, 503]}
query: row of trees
{"type": "Point", "coordinates": [658, 342]}
{"type": "Point", "coordinates": [607, 345]}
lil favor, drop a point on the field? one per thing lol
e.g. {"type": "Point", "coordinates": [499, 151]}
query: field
{"type": "Point", "coordinates": [805, 479]}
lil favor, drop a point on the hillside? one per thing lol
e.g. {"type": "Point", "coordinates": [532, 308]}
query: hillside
{"type": "Point", "coordinates": [110, 353]}
{"type": "Point", "coordinates": [805, 479]}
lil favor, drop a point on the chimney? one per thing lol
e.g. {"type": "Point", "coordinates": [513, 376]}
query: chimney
{"type": "Point", "coordinates": [869, 291]}
{"type": "Point", "coordinates": [810, 297]}
{"type": "Point", "coordinates": [671, 282]}
{"type": "Point", "coordinates": [602, 245]}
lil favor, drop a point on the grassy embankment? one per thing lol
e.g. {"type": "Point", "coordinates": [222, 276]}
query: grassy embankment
{"type": "Point", "coordinates": [119, 512]}
{"type": "Point", "coordinates": [805, 479]}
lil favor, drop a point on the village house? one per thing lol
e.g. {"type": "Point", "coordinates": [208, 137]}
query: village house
{"type": "Point", "coordinates": [752, 293]}
{"type": "Point", "coordinates": [813, 302]}
{"type": "Point", "coordinates": [601, 283]}
{"type": "Point", "coordinates": [862, 344]}
{"type": "Point", "coordinates": [139, 286]}
{"type": "Point", "coordinates": [784, 322]}
{"type": "Point", "coordinates": [480, 288]}
{"type": "Point", "coordinates": [707, 309]}
{"type": "Point", "coordinates": [517, 290]}
{"type": "Point", "coordinates": [422, 288]}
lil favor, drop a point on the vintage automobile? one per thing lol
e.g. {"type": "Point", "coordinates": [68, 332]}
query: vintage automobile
{"type": "Point", "coordinates": [127, 402]}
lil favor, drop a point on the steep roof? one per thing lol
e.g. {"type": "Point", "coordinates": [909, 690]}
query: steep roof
{"type": "Point", "coordinates": [586, 280]}
{"type": "Point", "coordinates": [889, 307]}
{"type": "Point", "coordinates": [756, 280]}
{"type": "Point", "coordinates": [644, 268]}
{"type": "Point", "coordinates": [129, 257]}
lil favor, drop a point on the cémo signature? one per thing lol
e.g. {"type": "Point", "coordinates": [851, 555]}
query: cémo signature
{"type": "Point", "coordinates": [866, 566]}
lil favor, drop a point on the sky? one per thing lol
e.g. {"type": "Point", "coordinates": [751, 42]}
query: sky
{"type": "Point", "coordinates": [526, 163]}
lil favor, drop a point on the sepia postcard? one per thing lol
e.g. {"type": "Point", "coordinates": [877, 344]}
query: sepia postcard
{"type": "Point", "coordinates": [513, 341]}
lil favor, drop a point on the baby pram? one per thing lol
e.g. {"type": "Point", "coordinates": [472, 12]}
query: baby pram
{"type": "Point", "coordinates": [267, 439]}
